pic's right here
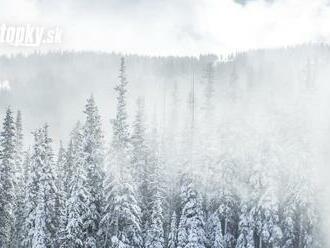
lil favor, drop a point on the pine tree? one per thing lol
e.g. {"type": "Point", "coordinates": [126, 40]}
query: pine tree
{"type": "Point", "coordinates": [94, 162]}
{"type": "Point", "coordinates": [173, 233]}
{"type": "Point", "coordinates": [25, 225]}
{"type": "Point", "coordinates": [139, 147]}
{"type": "Point", "coordinates": [61, 198]}
{"type": "Point", "coordinates": [228, 208]}
{"type": "Point", "coordinates": [214, 232]}
{"type": "Point", "coordinates": [271, 231]}
{"type": "Point", "coordinates": [287, 208]}
{"type": "Point", "coordinates": [191, 232]}
{"type": "Point", "coordinates": [169, 156]}
{"type": "Point", "coordinates": [41, 222]}
{"type": "Point", "coordinates": [154, 230]}
{"type": "Point", "coordinates": [155, 233]}
{"type": "Point", "coordinates": [246, 229]}
{"type": "Point", "coordinates": [288, 226]}
{"type": "Point", "coordinates": [120, 125]}
{"type": "Point", "coordinates": [121, 224]}
{"type": "Point", "coordinates": [39, 231]}
{"type": "Point", "coordinates": [19, 180]}
{"type": "Point", "coordinates": [18, 151]}
{"type": "Point", "coordinates": [7, 180]}
{"type": "Point", "coordinates": [141, 166]}
{"type": "Point", "coordinates": [306, 219]}
{"type": "Point", "coordinates": [76, 178]}
{"type": "Point", "coordinates": [265, 203]}
{"type": "Point", "coordinates": [51, 189]}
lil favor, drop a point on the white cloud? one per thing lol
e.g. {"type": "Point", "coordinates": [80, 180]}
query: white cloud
{"type": "Point", "coordinates": [177, 27]}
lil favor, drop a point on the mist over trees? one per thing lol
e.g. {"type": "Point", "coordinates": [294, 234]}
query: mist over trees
{"type": "Point", "coordinates": [38, 81]}
{"type": "Point", "coordinates": [200, 153]}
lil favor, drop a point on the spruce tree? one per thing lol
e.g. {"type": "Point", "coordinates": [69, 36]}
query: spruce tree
{"type": "Point", "coordinates": [19, 156]}
{"type": "Point", "coordinates": [155, 232]}
{"type": "Point", "coordinates": [265, 205]}
{"type": "Point", "coordinates": [191, 230]}
{"type": "Point", "coordinates": [214, 232]}
{"type": "Point", "coordinates": [140, 159]}
{"type": "Point", "coordinates": [76, 178]}
{"type": "Point", "coordinates": [19, 180]}
{"type": "Point", "coordinates": [39, 232]}
{"type": "Point", "coordinates": [94, 162]}
{"type": "Point", "coordinates": [154, 229]}
{"type": "Point", "coordinates": [246, 229]}
{"type": "Point", "coordinates": [228, 208]}
{"type": "Point", "coordinates": [306, 218]}
{"type": "Point", "coordinates": [26, 201]}
{"type": "Point", "coordinates": [61, 198]}
{"type": "Point", "coordinates": [7, 180]}
{"type": "Point", "coordinates": [19, 153]}
{"type": "Point", "coordinates": [173, 232]}
{"type": "Point", "coordinates": [41, 195]}
{"type": "Point", "coordinates": [121, 224]}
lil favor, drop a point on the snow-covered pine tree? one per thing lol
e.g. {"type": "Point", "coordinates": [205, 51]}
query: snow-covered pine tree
{"type": "Point", "coordinates": [287, 203]}
{"type": "Point", "coordinates": [271, 231]}
{"type": "Point", "coordinates": [228, 208]}
{"type": "Point", "coordinates": [39, 232]}
{"type": "Point", "coordinates": [205, 158]}
{"type": "Point", "coordinates": [61, 198]}
{"type": "Point", "coordinates": [191, 229]}
{"type": "Point", "coordinates": [173, 232]}
{"type": "Point", "coordinates": [137, 139]}
{"type": "Point", "coordinates": [214, 232]}
{"type": "Point", "coordinates": [61, 165]}
{"type": "Point", "coordinates": [50, 186]}
{"type": "Point", "coordinates": [144, 164]}
{"type": "Point", "coordinates": [298, 216]}
{"type": "Point", "coordinates": [25, 227]}
{"type": "Point", "coordinates": [121, 224]}
{"type": "Point", "coordinates": [155, 221]}
{"type": "Point", "coordinates": [140, 164]}
{"type": "Point", "coordinates": [169, 156]}
{"type": "Point", "coordinates": [121, 137]}
{"type": "Point", "coordinates": [306, 219]}
{"type": "Point", "coordinates": [155, 233]}
{"type": "Point", "coordinates": [76, 178]}
{"type": "Point", "coordinates": [41, 194]}
{"type": "Point", "coordinates": [94, 161]}
{"type": "Point", "coordinates": [19, 180]}
{"type": "Point", "coordinates": [7, 180]}
{"type": "Point", "coordinates": [246, 229]}
{"type": "Point", "coordinates": [19, 153]}
{"type": "Point", "coordinates": [288, 226]}
{"type": "Point", "coordinates": [265, 203]}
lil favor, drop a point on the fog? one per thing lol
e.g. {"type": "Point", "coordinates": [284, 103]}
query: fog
{"type": "Point", "coordinates": [274, 100]}
{"type": "Point", "coordinates": [232, 85]}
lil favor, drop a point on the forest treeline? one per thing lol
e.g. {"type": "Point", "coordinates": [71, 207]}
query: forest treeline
{"type": "Point", "coordinates": [195, 185]}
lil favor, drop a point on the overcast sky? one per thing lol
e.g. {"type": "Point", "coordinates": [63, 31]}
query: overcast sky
{"type": "Point", "coordinates": [172, 27]}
